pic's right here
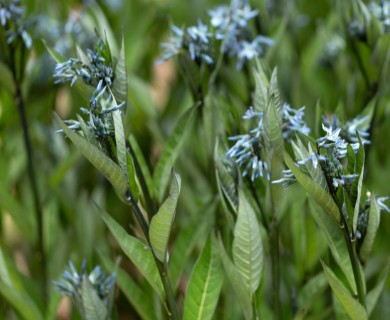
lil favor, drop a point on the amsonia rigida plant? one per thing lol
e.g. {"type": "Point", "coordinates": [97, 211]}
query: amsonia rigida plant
{"type": "Point", "coordinates": [101, 139]}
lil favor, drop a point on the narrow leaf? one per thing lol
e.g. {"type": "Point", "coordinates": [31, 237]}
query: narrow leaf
{"type": "Point", "coordinates": [247, 245]}
{"type": "Point", "coordinates": [319, 194]}
{"type": "Point", "coordinates": [120, 139]}
{"type": "Point", "coordinates": [104, 164]}
{"type": "Point", "coordinates": [171, 151]}
{"type": "Point", "coordinates": [360, 161]}
{"type": "Point", "coordinates": [373, 295]}
{"type": "Point", "coordinates": [136, 251]}
{"type": "Point", "coordinates": [372, 228]}
{"type": "Point", "coordinates": [160, 226]}
{"type": "Point", "coordinates": [119, 87]}
{"type": "Point", "coordinates": [261, 92]}
{"type": "Point", "coordinates": [235, 279]}
{"type": "Point", "coordinates": [353, 308]}
{"type": "Point", "coordinates": [273, 127]}
{"type": "Point", "coordinates": [93, 306]}
{"type": "Point", "coordinates": [205, 285]}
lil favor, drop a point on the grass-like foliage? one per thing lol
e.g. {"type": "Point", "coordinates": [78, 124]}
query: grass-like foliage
{"type": "Point", "coordinates": [194, 159]}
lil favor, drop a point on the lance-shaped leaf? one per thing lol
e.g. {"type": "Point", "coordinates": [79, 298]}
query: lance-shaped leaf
{"type": "Point", "coordinates": [235, 279]}
{"type": "Point", "coordinates": [205, 285]}
{"type": "Point", "coordinates": [319, 194]}
{"type": "Point", "coordinates": [247, 245]}
{"type": "Point", "coordinates": [261, 92]}
{"type": "Point", "coordinates": [372, 228]}
{"type": "Point", "coordinates": [360, 165]}
{"type": "Point", "coordinates": [336, 242]}
{"type": "Point", "coordinates": [119, 86]}
{"type": "Point", "coordinates": [136, 251]}
{"type": "Point", "coordinates": [171, 151]}
{"type": "Point", "coordinates": [93, 307]}
{"type": "Point", "coordinates": [120, 139]}
{"type": "Point", "coordinates": [353, 308]}
{"type": "Point", "coordinates": [160, 226]}
{"type": "Point", "coordinates": [373, 295]}
{"type": "Point", "coordinates": [273, 127]}
{"type": "Point", "coordinates": [104, 164]}
{"type": "Point", "coordinates": [135, 294]}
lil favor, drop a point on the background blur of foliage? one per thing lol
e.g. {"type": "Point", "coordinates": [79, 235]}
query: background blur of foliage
{"type": "Point", "coordinates": [316, 64]}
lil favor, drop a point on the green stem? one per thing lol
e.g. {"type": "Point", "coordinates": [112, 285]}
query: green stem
{"type": "Point", "coordinates": [162, 267]}
{"type": "Point", "coordinates": [19, 102]}
{"type": "Point", "coordinates": [354, 262]}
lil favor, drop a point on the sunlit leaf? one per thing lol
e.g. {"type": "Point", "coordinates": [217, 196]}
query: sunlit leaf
{"type": "Point", "coordinates": [160, 226]}
{"type": "Point", "coordinates": [205, 285]}
{"type": "Point", "coordinates": [353, 308]}
{"type": "Point", "coordinates": [261, 92]}
{"type": "Point", "coordinates": [247, 245]}
{"type": "Point", "coordinates": [119, 86]}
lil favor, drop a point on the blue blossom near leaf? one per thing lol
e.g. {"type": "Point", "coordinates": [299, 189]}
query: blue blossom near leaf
{"type": "Point", "coordinates": [174, 44]}
{"type": "Point", "coordinates": [72, 284]}
{"type": "Point", "coordinates": [287, 180]}
{"type": "Point", "coordinates": [198, 43]}
{"type": "Point", "coordinates": [247, 151]}
{"type": "Point", "coordinates": [381, 205]}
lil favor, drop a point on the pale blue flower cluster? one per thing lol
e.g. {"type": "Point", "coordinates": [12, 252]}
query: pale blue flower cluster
{"type": "Point", "coordinates": [12, 17]}
{"type": "Point", "coordinates": [71, 281]}
{"type": "Point", "coordinates": [228, 24]}
{"type": "Point", "coordinates": [247, 150]}
{"type": "Point", "coordinates": [381, 11]}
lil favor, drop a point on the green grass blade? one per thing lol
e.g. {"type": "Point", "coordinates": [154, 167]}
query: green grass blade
{"type": "Point", "coordinates": [171, 151]}
{"type": "Point", "coordinates": [247, 245]}
{"type": "Point", "coordinates": [121, 152]}
{"type": "Point", "coordinates": [353, 308]}
{"type": "Point", "coordinates": [119, 86]}
{"type": "Point", "coordinates": [136, 251]}
{"type": "Point", "coordinates": [205, 285]}
{"type": "Point", "coordinates": [104, 164]}
{"type": "Point", "coordinates": [241, 291]}
{"type": "Point", "coordinates": [160, 226]}
{"type": "Point", "coordinates": [315, 190]}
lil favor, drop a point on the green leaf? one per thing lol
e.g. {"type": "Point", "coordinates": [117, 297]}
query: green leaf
{"type": "Point", "coordinates": [273, 127]}
{"type": "Point", "coordinates": [119, 86]}
{"type": "Point", "coordinates": [373, 295]}
{"type": "Point", "coordinates": [353, 308]}
{"type": "Point", "coordinates": [137, 252]}
{"type": "Point", "coordinates": [188, 237]}
{"type": "Point", "coordinates": [136, 295]}
{"type": "Point", "coordinates": [104, 164]}
{"type": "Point", "coordinates": [132, 177]}
{"type": "Point", "coordinates": [360, 161]}
{"type": "Point", "coordinates": [336, 242]}
{"type": "Point", "coordinates": [372, 228]}
{"type": "Point", "coordinates": [160, 226]}
{"type": "Point", "coordinates": [274, 94]}
{"type": "Point", "coordinates": [247, 245]}
{"type": "Point", "coordinates": [261, 92]}
{"type": "Point", "coordinates": [93, 306]}
{"type": "Point", "coordinates": [87, 132]}
{"type": "Point", "coordinates": [205, 285]}
{"type": "Point", "coordinates": [171, 151]}
{"type": "Point", "coordinates": [318, 193]}
{"type": "Point", "coordinates": [301, 153]}
{"type": "Point", "coordinates": [120, 139]}
{"type": "Point", "coordinates": [241, 291]}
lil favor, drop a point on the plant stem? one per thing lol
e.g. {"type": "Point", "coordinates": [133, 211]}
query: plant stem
{"type": "Point", "coordinates": [19, 102]}
{"type": "Point", "coordinates": [354, 262]}
{"type": "Point", "coordinates": [162, 268]}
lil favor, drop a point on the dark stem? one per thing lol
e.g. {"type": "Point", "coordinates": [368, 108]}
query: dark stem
{"type": "Point", "coordinates": [19, 102]}
{"type": "Point", "coordinates": [354, 261]}
{"type": "Point", "coordinates": [162, 267]}
{"type": "Point", "coordinates": [145, 190]}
